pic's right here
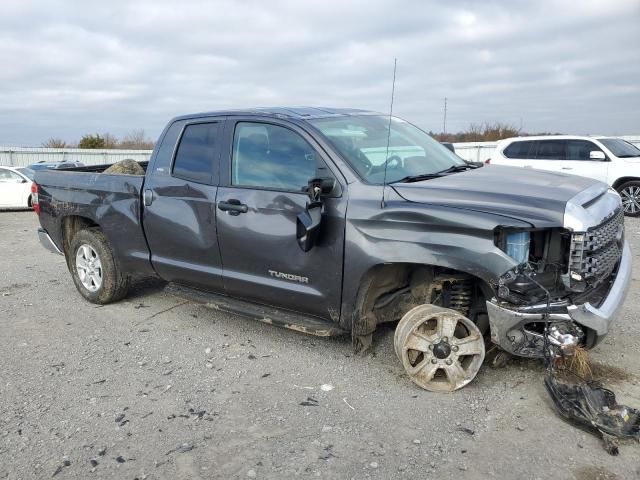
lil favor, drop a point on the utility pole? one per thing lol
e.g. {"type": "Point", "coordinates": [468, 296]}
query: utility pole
{"type": "Point", "coordinates": [444, 120]}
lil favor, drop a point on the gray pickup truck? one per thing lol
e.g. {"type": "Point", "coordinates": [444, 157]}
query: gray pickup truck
{"type": "Point", "coordinates": [332, 221]}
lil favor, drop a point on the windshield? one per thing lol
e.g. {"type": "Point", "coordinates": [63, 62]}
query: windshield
{"type": "Point", "coordinates": [621, 148]}
{"type": "Point", "coordinates": [27, 172]}
{"type": "Point", "coordinates": [362, 141]}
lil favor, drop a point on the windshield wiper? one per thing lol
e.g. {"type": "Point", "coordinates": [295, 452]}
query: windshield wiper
{"type": "Point", "coordinates": [458, 168]}
{"type": "Point", "coordinates": [417, 178]}
{"type": "Point", "coordinates": [442, 173]}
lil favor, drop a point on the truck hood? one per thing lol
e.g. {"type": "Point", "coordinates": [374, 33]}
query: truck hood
{"type": "Point", "coordinates": [534, 196]}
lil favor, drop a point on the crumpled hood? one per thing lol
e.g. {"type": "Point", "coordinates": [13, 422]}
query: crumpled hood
{"type": "Point", "coordinates": [534, 196]}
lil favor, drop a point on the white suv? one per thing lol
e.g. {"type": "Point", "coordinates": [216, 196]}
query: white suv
{"type": "Point", "coordinates": [611, 160]}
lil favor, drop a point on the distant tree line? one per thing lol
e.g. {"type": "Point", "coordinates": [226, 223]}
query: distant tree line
{"type": "Point", "coordinates": [133, 140]}
{"type": "Point", "coordinates": [484, 132]}
{"type": "Point", "coordinates": [138, 140]}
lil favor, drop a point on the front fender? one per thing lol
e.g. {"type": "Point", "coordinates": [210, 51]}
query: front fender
{"type": "Point", "coordinates": [410, 233]}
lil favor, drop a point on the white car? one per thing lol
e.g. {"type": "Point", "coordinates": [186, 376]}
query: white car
{"type": "Point", "coordinates": [608, 159]}
{"type": "Point", "coordinates": [15, 187]}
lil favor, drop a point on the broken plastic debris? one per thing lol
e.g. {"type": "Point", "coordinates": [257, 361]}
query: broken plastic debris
{"type": "Point", "coordinates": [595, 407]}
{"type": "Point", "coordinates": [327, 387]}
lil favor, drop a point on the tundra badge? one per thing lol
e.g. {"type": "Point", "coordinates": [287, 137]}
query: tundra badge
{"type": "Point", "coordinates": [289, 276]}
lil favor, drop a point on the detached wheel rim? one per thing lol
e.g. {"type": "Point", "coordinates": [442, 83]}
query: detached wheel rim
{"type": "Point", "coordinates": [631, 199]}
{"type": "Point", "coordinates": [89, 267]}
{"type": "Point", "coordinates": [441, 350]}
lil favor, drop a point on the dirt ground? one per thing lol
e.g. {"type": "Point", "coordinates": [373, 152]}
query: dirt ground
{"type": "Point", "coordinates": [154, 387]}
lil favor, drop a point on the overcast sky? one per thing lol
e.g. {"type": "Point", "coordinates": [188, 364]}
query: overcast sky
{"type": "Point", "coordinates": [72, 67]}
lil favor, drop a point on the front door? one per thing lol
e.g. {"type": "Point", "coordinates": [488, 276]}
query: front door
{"type": "Point", "coordinates": [179, 211]}
{"type": "Point", "coordinates": [268, 167]}
{"type": "Point", "coordinates": [578, 160]}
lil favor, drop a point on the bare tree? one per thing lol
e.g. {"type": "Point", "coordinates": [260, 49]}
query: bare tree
{"type": "Point", "coordinates": [136, 140]}
{"type": "Point", "coordinates": [55, 143]}
{"type": "Point", "coordinates": [110, 141]}
{"type": "Point", "coordinates": [481, 132]}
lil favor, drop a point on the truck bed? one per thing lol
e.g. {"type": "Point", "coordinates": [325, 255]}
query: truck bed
{"type": "Point", "coordinates": [112, 201]}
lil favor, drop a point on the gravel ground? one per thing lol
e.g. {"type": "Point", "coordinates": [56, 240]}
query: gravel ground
{"type": "Point", "coordinates": [154, 387]}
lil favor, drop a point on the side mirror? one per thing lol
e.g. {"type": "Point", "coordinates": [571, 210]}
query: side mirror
{"type": "Point", "coordinates": [326, 186]}
{"type": "Point", "coordinates": [308, 226]}
{"type": "Point", "coordinates": [308, 222]}
{"type": "Point", "coordinates": [597, 155]}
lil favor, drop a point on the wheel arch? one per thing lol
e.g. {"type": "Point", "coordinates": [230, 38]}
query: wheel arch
{"type": "Point", "coordinates": [72, 224]}
{"type": "Point", "coordinates": [622, 180]}
{"type": "Point", "coordinates": [388, 290]}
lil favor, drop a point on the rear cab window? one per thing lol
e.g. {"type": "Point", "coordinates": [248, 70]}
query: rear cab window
{"type": "Point", "coordinates": [196, 154]}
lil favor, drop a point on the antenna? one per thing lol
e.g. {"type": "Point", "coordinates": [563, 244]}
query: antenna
{"type": "Point", "coordinates": [444, 120]}
{"type": "Point", "coordinates": [386, 155]}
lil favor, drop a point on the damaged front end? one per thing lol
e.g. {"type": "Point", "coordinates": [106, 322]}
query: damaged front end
{"type": "Point", "coordinates": [574, 277]}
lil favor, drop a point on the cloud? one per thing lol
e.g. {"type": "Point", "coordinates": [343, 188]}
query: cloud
{"type": "Point", "coordinates": [72, 67]}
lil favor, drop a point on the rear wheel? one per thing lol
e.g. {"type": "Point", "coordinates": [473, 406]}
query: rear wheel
{"type": "Point", "coordinates": [630, 193]}
{"type": "Point", "coordinates": [441, 350]}
{"type": "Point", "coordinates": [94, 270]}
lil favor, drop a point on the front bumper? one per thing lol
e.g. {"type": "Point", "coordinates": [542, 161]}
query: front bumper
{"type": "Point", "coordinates": [46, 242]}
{"type": "Point", "coordinates": [509, 326]}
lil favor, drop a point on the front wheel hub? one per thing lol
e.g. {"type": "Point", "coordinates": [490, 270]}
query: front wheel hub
{"type": "Point", "coordinates": [441, 350]}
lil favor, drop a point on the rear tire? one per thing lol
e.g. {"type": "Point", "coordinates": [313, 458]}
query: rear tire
{"type": "Point", "coordinates": [94, 269]}
{"type": "Point", "coordinates": [630, 193]}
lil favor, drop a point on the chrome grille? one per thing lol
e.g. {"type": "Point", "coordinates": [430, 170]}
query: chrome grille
{"type": "Point", "coordinates": [602, 235]}
{"type": "Point", "coordinates": [595, 253]}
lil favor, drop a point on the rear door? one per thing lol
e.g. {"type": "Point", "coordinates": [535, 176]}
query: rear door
{"type": "Point", "coordinates": [548, 155]}
{"type": "Point", "coordinates": [179, 204]}
{"type": "Point", "coordinates": [267, 166]}
{"type": "Point", "coordinates": [578, 161]}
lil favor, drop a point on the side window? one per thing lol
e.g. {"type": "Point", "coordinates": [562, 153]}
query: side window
{"type": "Point", "coordinates": [580, 149]}
{"type": "Point", "coordinates": [7, 176]}
{"type": "Point", "coordinates": [271, 156]}
{"type": "Point", "coordinates": [523, 150]}
{"type": "Point", "coordinates": [551, 150]}
{"type": "Point", "coordinates": [195, 156]}
{"type": "Point", "coordinates": [162, 162]}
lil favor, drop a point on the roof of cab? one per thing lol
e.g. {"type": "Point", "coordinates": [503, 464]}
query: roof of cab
{"type": "Point", "coordinates": [300, 113]}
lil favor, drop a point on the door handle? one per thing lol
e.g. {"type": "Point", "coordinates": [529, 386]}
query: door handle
{"type": "Point", "coordinates": [233, 206]}
{"type": "Point", "coordinates": [567, 168]}
{"type": "Point", "coordinates": [148, 197]}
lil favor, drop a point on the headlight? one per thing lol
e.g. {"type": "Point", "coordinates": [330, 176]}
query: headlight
{"type": "Point", "coordinates": [517, 246]}
{"type": "Point", "coordinates": [515, 243]}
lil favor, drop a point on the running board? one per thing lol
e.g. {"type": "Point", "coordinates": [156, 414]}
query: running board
{"type": "Point", "coordinates": [273, 316]}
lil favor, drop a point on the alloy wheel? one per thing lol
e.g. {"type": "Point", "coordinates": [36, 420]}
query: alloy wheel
{"type": "Point", "coordinates": [89, 267]}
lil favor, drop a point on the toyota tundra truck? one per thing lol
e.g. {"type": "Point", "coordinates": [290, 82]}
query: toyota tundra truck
{"type": "Point", "coordinates": [334, 221]}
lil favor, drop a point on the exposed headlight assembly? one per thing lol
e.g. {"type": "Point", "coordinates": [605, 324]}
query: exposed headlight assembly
{"type": "Point", "coordinates": [540, 257]}
{"type": "Point", "coordinates": [514, 243]}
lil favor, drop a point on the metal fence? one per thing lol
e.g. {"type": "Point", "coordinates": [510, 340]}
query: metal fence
{"type": "Point", "coordinates": [23, 156]}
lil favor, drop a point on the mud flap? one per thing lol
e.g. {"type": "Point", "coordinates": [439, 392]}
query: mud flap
{"type": "Point", "coordinates": [594, 407]}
